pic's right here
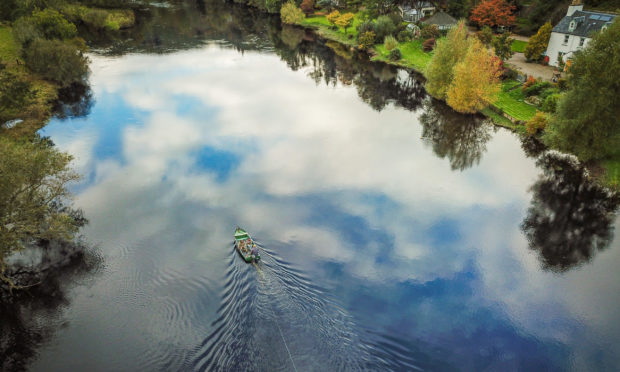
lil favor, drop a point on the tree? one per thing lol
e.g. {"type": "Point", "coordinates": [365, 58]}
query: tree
{"type": "Point", "coordinates": [56, 61]}
{"type": "Point", "coordinates": [485, 35]}
{"type": "Point", "coordinates": [503, 46]}
{"type": "Point", "coordinates": [430, 32]}
{"type": "Point", "coordinates": [448, 52]}
{"type": "Point", "coordinates": [493, 13]}
{"type": "Point", "coordinates": [345, 21]}
{"type": "Point", "coordinates": [476, 79]}
{"type": "Point", "coordinates": [307, 6]}
{"type": "Point", "coordinates": [536, 124]}
{"type": "Point", "coordinates": [586, 121]}
{"type": "Point", "coordinates": [332, 17]}
{"type": "Point", "coordinates": [32, 197]}
{"type": "Point", "coordinates": [538, 43]}
{"type": "Point", "coordinates": [291, 14]}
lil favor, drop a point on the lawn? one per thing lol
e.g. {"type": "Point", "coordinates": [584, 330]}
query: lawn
{"type": "Point", "coordinates": [324, 29]}
{"type": "Point", "coordinates": [511, 100]}
{"type": "Point", "coordinates": [413, 56]}
{"type": "Point", "coordinates": [8, 47]}
{"type": "Point", "coordinates": [612, 173]}
{"type": "Point", "coordinates": [518, 46]}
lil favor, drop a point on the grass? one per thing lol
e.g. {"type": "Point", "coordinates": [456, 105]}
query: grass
{"type": "Point", "coordinates": [324, 29]}
{"type": "Point", "coordinates": [9, 49]}
{"type": "Point", "coordinates": [511, 100]}
{"type": "Point", "coordinates": [518, 46]}
{"type": "Point", "coordinates": [612, 173]}
{"type": "Point", "coordinates": [413, 56]}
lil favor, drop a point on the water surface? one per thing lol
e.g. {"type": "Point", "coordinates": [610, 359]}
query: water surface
{"type": "Point", "coordinates": [396, 234]}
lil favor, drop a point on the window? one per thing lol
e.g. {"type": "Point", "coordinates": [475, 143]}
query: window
{"type": "Point", "coordinates": [582, 41]}
{"type": "Point", "coordinates": [566, 37]}
{"type": "Point", "coordinates": [572, 26]}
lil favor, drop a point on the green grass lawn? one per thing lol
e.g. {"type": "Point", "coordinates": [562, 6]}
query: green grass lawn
{"type": "Point", "coordinates": [8, 48]}
{"type": "Point", "coordinates": [413, 56]}
{"type": "Point", "coordinates": [612, 173]}
{"type": "Point", "coordinates": [511, 101]}
{"type": "Point", "coordinates": [518, 46]}
{"type": "Point", "coordinates": [324, 29]}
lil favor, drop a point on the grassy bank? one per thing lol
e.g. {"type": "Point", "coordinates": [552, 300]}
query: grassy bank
{"type": "Point", "coordinates": [413, 56]}
{"type": "Point", "coordinates": [518, 46]}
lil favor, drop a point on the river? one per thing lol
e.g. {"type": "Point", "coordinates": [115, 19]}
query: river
{"type": "Point", "coordinates": [395, 233]}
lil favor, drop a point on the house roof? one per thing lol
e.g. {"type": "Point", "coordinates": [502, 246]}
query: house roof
{"type": "Point", "coordinates": [441, 18]}
{"type": "Point", "coordinates": [586, 23]}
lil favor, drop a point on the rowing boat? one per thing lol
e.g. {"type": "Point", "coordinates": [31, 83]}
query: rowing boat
{"type": "Point", "coordinates": [246, 246]}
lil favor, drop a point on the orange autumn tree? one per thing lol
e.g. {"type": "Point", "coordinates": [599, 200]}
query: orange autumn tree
{"type": "Point", "coordinates": [493, 13]}
{"type": "Point", "coordinates": [476, 79]}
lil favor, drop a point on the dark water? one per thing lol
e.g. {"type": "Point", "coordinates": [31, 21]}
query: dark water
{"type": "Point", "coordinates": [396, 234]}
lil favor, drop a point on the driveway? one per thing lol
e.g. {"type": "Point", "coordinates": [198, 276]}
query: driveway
{"type": "Point", "coordinates": [534, 69]}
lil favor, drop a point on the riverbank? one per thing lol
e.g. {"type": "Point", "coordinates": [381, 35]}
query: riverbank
{"type": "Point", "coordinates": [510, 110]}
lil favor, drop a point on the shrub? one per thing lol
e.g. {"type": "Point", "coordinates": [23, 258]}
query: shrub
{"type": "Point", "coordinates": [366, 26]}
{"type": "Point", "coordinates": [429, 44]}
{"type": "Point", "coordinates": [536, 124]}
{"type": "Point", "coordinates": [536, 88]}
{"type": "Point", "coordinates": [551, 103]}
{"type": "Point", "coordinates": [345, 21]}
{"type": "Point", "coordinates": [47, 24]}
{"type": "Point", "coordinates": [95, 18]}
{"type": "Point", "coordinates": [333, 17]}
{"type": "Point", "coordinates": [384, 27]}
{"type": "Point", "coordinates": [430, 31]}
{"type": "Point", "coordinates": [366, 39]}
{"type": "Point", "coordinates": [273, 6]}
{"type": "Point", "coordinates": [291, 14]}
{"type": "Point", "coordinates": [529, 82]}
{"type": "Point", "coordinates": [307, 6]}
{"type": "Point", "coordinates": [390, 42]}
{"type": "Point", "coordinates": [509, 74]}
{"type": "Point", "coordinates": [562, 84]}
{"type": "Point", "coordinates": [15, 94]}
{"type": "Point", "coordinates": [404, 36]}
{"type": "Point", "coordinates": [485, 35]}
{"type": "Point", "coordinates": [57, 61]}
{"type": "Point", "coordinates": [395, 55]}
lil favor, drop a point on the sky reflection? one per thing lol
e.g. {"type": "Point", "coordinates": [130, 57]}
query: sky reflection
{"type": "Point", "coordinates": [415, 229]}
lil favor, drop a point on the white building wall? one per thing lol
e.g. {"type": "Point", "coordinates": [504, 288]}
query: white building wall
{"type": "Point", "coordinates": [556, 45]}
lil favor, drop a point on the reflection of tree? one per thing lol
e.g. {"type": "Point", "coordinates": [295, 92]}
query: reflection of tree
{"type": "Point", "coordinates": [25, 317]}
{"type": "Point", "coordinates": [460, 138]}
{"type": "Point", "coordinates": [570, 218]}
{"type": "Point", "coordinates": [74, 101]}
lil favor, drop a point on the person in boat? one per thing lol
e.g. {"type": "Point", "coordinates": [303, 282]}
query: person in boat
{"type": "Point", "coordinates": [254, 250]}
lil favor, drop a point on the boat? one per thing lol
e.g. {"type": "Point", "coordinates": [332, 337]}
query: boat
{"type": "Point", "coordinates": [244, 245]}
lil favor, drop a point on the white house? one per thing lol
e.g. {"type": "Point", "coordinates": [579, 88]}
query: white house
{"type": "Point", "coordinates": [575, 31]}
{"type": "Point", "coordinates": [416, 11]}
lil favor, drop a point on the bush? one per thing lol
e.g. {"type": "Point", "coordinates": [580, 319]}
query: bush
{"type": "Point", "coordinates": [404, 36]}
{"type": "Point", "coordinates": [536, 88]}
{"type": "Point", "coordinates": [536, 124]}
{"type": "Point", "coordinates": [95, 18]}
{"type": "Point", "coordinates": [291, 14]}
{"type": "Point", "coordinates": [529, 82]}
{"type": "Point", "coordinates": [485, 35]}
{"type": "Point", "coordinates": [366, 39]}
{"type": "Point", "coordinates": [47, 24]}
{"type": "Point", "coordinates": [551, 103]}
{"type": "Point", "coordinates": [430, 32]}
{"type": "Point", "coordinates": [395, 55]}
{"type": "Point", "coordinates": [429, 45]}
{"type": "Point", "coordinates": [562, 84]}
{"type": "Point", "coordinates": [509, 74]}
{"type": "Point", "coordinates": [15, 94]}
{"type": "Point", "coordinates": [366, 26]}
{"type": "Point", "coordinates": [57, 61]}
{"type": "Point", "coordinates": [390, 42]}
{"type": "Point", "coordinates": [384, 27]}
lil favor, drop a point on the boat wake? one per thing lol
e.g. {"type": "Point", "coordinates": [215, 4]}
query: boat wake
{"type": "Point", "coordinates": [273, 318]}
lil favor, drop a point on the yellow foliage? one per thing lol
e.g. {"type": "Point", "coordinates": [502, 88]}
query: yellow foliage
{"type": "Point", "coordinates": [537, 123]}
{"type": "Point", "coordinates": [345, 20]}
{"type": "Point", "coordinates": [476, 79]}
{"type": "Point", "coordinates": [333, 16]}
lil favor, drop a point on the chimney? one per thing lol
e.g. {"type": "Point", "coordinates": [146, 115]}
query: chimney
{"type": "Point", "coordinates": [574, 6]}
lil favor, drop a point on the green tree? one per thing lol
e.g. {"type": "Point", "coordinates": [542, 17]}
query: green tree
{"type": "Point", "coordinates": [476, 79]}
{"type": "Point", "coordinates": [538, 43]}
{"type": "Point", "coordinates": [15, 95]}
{"type": "Point", "coordinates": [502, 45]}
{"type": "Point", "coordinates": [47, 24]}
{"type": "Point", "coordinates": [485, 35]}
{"type": "Point", "coordinates": [448, 52]}
{"type": "Point", "coordinates": [57, 61]}
{"type": "Point", "coordinates": [586, 121]}
{"type": "Point", "coordinates": [33, 192]}
{"type": "Point", "coordinates": [291, 14]}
